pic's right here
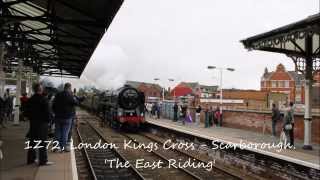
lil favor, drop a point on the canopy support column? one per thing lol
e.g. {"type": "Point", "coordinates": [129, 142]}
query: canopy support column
{"type": "Point", "coordinates": [18, 93]}
{"type": "Point", "coordinates": [2, 73]}
{"type": "Point", "coordinates": [308, 95]}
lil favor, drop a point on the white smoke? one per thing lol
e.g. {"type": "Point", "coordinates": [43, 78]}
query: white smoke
{"type": "Point", "coordinates": [108, 67]}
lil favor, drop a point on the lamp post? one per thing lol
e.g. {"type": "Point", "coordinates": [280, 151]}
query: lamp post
{"type": "Point", "coordinates": [174, 92]}
{"type": "Point", "coordinates": [157, 79]}
{"type": "Point", "coordinates": [221, 69]}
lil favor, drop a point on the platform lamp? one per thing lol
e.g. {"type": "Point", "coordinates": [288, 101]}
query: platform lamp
{"type": "Point", "coordinates": [221, 69]}
{"type": "Point", "coordinates": [157, 79]}
{"type": "Point", "coordinates": [174, 92]}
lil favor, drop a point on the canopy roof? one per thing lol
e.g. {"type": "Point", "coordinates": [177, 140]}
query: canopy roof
{"type": "Point", "coordinates": [54, 37]}
{"type": "Point", "coordinates": [290, 39]}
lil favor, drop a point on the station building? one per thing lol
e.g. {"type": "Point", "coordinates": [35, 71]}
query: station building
{"type": "Point", "coordinates": [290, 83]}
{"type": "Point", "coordinates": [151, 91]}
{"type": "Point", "coordinates": [194, 89]}
{"type": "Point", "coordinates": [246, 99]}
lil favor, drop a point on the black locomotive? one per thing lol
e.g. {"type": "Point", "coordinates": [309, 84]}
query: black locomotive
{"type": "Point", "coordinates": [123, 107]}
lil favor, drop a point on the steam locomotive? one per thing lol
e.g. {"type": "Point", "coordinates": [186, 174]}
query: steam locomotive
{"type": "Point", "coordinates": [123, 107]}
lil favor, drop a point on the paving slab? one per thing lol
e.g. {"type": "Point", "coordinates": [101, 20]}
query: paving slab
{"type": "Point", "coordinates": [13, 165]}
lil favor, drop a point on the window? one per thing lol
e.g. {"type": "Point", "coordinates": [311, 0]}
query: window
{"type": "Point", "coordinates": [281, 83]}
{"type": "Point", "coordinates": [273, 84]}
{"type": "Point", "coordinates": [286, 84]}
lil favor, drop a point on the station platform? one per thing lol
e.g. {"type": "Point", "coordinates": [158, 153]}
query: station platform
{"type": "Point", "coordinates": [229, 135]}
{"type": "Point", "coordinates": [13, 165]}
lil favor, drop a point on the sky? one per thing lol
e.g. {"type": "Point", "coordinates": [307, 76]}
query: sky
{"type": "Point", "coordinates": [179, 38]}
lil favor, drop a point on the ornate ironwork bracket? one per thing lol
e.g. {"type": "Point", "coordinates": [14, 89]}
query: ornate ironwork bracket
{"type": "Point", "coordinates": [300, 64]}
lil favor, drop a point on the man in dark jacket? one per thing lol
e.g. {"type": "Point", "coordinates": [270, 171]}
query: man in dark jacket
{"type": "Point", "coordinates": [8, 105]}
{"type": "Point", "coordinates": [64, 109]}
{"type": "Point", "coordinates": [275, 117]}
{"type": "Point", "coordinates": [175, 112]}
{"type": "Point", "coordinates": [37, 110]}
{"type": "Point", "coordinates": [288, 123]}
{"type": "Point", "coordinates": [198, 113]}
{"type": "Point", "coordinates": [2, 112]}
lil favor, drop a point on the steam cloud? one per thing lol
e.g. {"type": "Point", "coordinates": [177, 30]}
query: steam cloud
{"type": "Point", "coordinates": [103, 70]}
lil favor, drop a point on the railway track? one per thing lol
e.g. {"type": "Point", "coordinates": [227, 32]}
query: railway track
{"type": "Point", "coordinates": [132, 156]}
{"type": "Point", "coordinates": [83, 167]}
{"type": "Point", "coordinates": [229, 165]}
{"type": "Point", "coordinates": [183, 156]}
{"type": "Point", "coordinates": [94, 159]}
{"type": "Point", "coordinates": [150, 156]}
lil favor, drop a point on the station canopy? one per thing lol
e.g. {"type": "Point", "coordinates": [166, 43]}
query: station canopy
{"type": "Point", "coordinates": [297, 40]}
{"type": "Point", "coordinates": [54, 37]}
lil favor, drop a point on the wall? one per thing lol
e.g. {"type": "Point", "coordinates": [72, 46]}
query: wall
{"type": "Point", "coordinates": [261, 121]}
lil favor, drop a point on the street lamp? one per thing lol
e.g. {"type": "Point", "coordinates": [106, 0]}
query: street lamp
{"type": "Point", "coordinates": [157, 79]}
{"type": "Point", "coordinates": [174, 92]}
{"type": "Point", "coordinates": [221, 69]}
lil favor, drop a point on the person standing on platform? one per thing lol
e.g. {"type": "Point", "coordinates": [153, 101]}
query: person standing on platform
{"type": "Point", "coordinates": [274, 118]}
{"type": "Point", "coordinates": [64, 109]}
{"type": "Point", "coordinates": [8, 105]}
{"type": "Point", "coordinates": [149, 108]}
{"type": "Point", "coordinates": [23, 100]}
{"type": "Point", "coordinates": [2, 112]}
{"type": "Point", "coordinates": [218, 116]}
{"type": "Point", "coordinates": [211, 116]}
{"type": "Point", "coordinates": [78, 100]}
{"type": "Point", "coordinates": [198, 112]}
{"type": "Point", "coordinates": [206, 117]}
{"type": "Point", "coordinates": [37, 111]}
{"type": "Point", "coordinates": [188, 118]}
{"type": "Point", "coordinates": [215, 120]}
{"type": "Point", "coordinates": [158, 110]}
{"type": "Point", "coordinates": [146, 109]}
{"type": "Point", "coordinates": [289, 123]}
{"type": "Point", "coordinates": [175, 112]}
{"type": "Point", "coordinates": [51, 123]}
{"type": "Point", "coordinates": [180, 112]}
{"type": "Point", "coordinates": [153, 110]}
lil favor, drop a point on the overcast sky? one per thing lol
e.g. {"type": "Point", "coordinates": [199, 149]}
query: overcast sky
{"type": "Point", "coordinates": [179, 38]}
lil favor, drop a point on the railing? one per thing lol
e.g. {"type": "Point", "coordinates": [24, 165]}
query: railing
{"type": "Point", "coordinates": [167, 110]}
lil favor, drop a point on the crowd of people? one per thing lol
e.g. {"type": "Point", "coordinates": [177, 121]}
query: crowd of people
{"type": "Point", "coordinates": [47, 114]}
{"type": "Point", "coordinates": [287, 125]}
{"type": "Point", "coordinates": [153, 110]}
{"type": "Point", "coordinates": [213, 117]}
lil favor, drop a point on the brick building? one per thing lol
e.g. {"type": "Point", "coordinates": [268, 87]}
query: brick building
{"type": "Point", "coordinates": [253, 99]}
{"type": "Point", "coordinates": [208, 91]}
{"type": "Point", "coordinates": [194, 89]}
{"type": "Point", "coordinates": [151, 91]}
{"type": "Point", "coordinates": [247, 99]}
{"type": "Point", "coordinates": [288, 82]}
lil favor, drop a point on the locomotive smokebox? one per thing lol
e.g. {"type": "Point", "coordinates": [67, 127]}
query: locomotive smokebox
{"type": "Point", "coordinates": [129, 98]}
